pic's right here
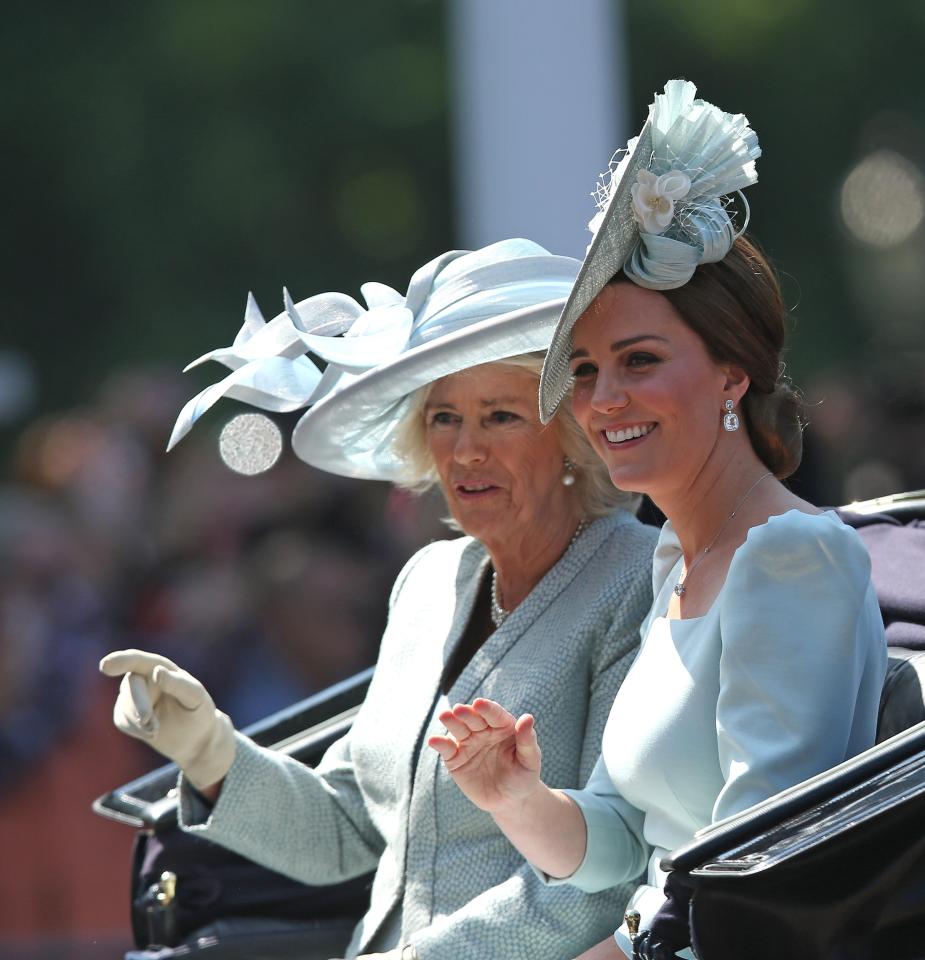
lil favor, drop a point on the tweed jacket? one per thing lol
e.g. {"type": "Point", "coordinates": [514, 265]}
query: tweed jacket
{"type": "Point", "coordinates": [446, 879]}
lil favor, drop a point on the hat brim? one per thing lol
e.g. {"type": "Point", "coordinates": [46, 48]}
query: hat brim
{"type": "Point", "coordinates": [351, 432]}
{"type": "Point", "coordinates": [614, 241]}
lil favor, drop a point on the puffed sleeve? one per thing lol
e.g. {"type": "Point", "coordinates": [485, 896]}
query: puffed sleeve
{"type": "Point", "coordinates": [802, 644]}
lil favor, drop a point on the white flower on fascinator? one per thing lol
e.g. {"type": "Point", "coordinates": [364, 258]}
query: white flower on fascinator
{"type": "Point", "coordinates": [654, 198]}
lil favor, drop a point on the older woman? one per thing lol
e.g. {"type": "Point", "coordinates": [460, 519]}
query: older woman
{"type": "Point", "coordinates": [763, 655]}
{"type": "Point", "coordinates": [539, 606]}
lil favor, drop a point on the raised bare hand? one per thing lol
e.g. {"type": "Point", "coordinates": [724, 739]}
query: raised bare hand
{"type": "Point", "coordinates": [493, 756]}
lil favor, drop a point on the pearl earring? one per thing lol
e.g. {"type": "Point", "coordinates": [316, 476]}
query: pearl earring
{"type": "Point", "coordinates": [568, 478]}
{"type": "Point", "coordinates": [730, 418]}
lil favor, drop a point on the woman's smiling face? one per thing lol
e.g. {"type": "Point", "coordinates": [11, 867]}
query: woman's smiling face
{"type": "Point", "coordinates": [647, 393]}
{"type": "Point", "coordinates": [499, 467]}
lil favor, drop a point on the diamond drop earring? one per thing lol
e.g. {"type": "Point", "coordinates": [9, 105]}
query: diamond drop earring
{"type": "Point", "coordinates": [730, 418]}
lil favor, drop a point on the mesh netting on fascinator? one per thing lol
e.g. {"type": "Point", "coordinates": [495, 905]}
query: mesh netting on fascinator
{"type": "Point", "coordinates": [460, 310]}
{"type": "Point", "coordinates": [664, 209]}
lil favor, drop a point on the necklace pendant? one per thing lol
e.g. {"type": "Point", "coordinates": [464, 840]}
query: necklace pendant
{"type": "Point", "coordinates": [679, 589]}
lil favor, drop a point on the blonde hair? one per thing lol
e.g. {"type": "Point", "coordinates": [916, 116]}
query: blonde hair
{"type": "Point", "coordinates": [596, 494]}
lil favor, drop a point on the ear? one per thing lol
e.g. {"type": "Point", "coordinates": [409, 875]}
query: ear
{"type": "Point", "coordinates": [736, 382]}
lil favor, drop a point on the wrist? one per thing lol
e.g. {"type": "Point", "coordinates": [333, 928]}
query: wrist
{"type": "Point", "coordinates": [210, 763]}
{"type": "Point", "coordinates": [524, 808]}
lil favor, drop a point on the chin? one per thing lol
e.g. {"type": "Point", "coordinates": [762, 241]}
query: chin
{"type": "Point", "coordinates": [629, 481]}
{"type": "Point", "coordinates": [476, 523]}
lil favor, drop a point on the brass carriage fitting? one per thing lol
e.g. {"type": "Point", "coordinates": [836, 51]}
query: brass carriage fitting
{"type": "Point", "coordinates": [166, 888]}
{"type": "Point", "coordinates": [632, 923]}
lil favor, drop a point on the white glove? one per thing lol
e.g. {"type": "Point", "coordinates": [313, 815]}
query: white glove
{"type": "Point", "coordinates": [171, 711]}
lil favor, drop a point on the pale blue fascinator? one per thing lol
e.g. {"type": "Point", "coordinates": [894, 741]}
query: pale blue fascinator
{"type": "Point", "coordinates": [664, 209]}
{"type": "Point", "coordinates": [460, 310]}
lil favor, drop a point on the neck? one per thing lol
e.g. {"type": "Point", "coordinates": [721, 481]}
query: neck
{"type": "Point", "coordinates": [520, 565]}
{"type": "Point", "coordinates": [698, 510]}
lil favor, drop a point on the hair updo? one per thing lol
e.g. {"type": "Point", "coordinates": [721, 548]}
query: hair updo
{"type": "Point", "coordinates": [736, 307]}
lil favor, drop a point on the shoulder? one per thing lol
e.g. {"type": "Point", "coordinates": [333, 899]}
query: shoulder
{"type": "Point", "coordinates": [796, 547]}
{"type": "Point", "coordinates": [438, 560]}
{"type": "Point", "coordinates": [620, 539]}
{"type": "Point", "coordinates": [610, 571]}
{"type": "Point", "coordinates": [800, 577]}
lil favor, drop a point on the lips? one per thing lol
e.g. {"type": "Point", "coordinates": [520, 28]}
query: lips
{"type": "Point", "coordinates": [632, 431]}
{"type": "Point", "coordinates": [474, 488]}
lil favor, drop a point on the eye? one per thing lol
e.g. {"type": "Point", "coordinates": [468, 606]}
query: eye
{"type": "Point", "coordinates": [503, 416]}
{"type": "Point", "coordinates": [584, 370]}
{"type": "Point", "coordinates": [441, 418]}
{"type": "Point", "coordinates": [642, 359]}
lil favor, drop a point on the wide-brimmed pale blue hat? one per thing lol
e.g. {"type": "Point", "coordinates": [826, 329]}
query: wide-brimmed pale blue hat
{"type": "Point", "coordinates": [663, 211]}
{"type": "Point", "coordinates": [462, 309]}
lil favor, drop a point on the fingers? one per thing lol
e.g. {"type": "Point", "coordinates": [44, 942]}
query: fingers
{"type": "Point", "coordinates": [449, 750]}
{"type": "Point", "coordinates": [455, 727]}
{"type": "Point", "coordinates": [139, 665]}
{"type": "Point", "coordinates": [140, 700]}
{"type": "Point", "coordinates": [184, 687]}
{"type": "Point", "coordinates": [465, 719]}
{"type": "Point", "coordinates": [492, 713]}
{"type": "Point", "coordinates": [445, 746]}
{"type": "Point", "coordinates": [470, 717]}
{"type": "Point", "coordinates": [528, 747]}
{"type": "Point", "coordinates": [133, 712]}
{"type": "Point", "coordinates": [133, 661]}
{"type": "Point", "coordinates": [462, 721]}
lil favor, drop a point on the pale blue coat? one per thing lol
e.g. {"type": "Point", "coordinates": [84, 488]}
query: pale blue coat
{"type": "Point", "coordinates": [446, 878]}
{"type": "Point", "coordinates": [778, 681]}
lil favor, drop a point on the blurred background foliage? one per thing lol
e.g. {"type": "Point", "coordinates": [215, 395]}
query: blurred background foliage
{"type": "Point", "coordinates": [163, 157]}
{"type": "Point", "coordinates": [832, 90]}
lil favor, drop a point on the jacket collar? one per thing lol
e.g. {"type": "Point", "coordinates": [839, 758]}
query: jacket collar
{"type": "Point", "coordinates": [473, 568]}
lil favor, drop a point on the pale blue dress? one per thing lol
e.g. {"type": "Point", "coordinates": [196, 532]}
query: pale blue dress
{"type": "Point", "coordinates": [778, 681]}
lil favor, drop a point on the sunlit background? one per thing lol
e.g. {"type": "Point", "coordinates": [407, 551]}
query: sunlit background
{"type": "Point", "coordinates": [161, 159]}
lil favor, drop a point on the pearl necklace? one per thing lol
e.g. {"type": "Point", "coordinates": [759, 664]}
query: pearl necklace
{"type": "Point", "coordinates": [679, 588]}
{"type": "Point", "coordinates": [498, 613]}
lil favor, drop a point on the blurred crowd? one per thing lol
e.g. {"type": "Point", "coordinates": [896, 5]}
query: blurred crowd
{"type": "Point", "coordinates": [266, 587]}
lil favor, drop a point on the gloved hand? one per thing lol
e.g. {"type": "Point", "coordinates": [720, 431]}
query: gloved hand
{"type": "Point", "coordinates": [171, 711]}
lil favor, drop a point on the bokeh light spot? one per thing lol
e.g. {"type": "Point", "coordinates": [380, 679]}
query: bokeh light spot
{"type": "Point", "coordinates": [883, 199]}
{"type": "Point", "coordinates": [250, 443]}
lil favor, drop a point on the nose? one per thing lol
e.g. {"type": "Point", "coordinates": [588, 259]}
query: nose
{"type": "Point", "coordinates": [609, 394]}
{"type": "Point", "coordinates": [471, 446]}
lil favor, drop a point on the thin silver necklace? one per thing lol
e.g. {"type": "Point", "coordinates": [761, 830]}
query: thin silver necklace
{"type": "Point", "coordinates": [498, 613]}
{"type": "Point", "coordinates": [679, 588]}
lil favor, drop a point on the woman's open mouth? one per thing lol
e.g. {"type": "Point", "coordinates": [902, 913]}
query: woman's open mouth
{"type": "Point", "coordinates": [475, 491]}
{"type": "Point", "coordinates": [626, 436]}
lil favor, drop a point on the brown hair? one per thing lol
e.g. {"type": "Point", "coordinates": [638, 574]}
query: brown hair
{"type": "Point", "coordinates": [736, 307]}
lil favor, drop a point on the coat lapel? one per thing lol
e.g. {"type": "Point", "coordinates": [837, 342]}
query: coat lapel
{"type": "Point", "coordinates": [562, 573]}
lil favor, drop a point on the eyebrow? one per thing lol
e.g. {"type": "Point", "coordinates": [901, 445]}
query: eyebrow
{"type": "Point", "coordinates": [618, 345]}
{"type": "Point", "coordinates": [495, 402]}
